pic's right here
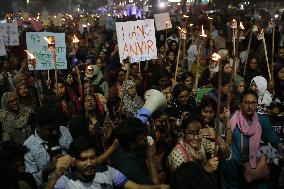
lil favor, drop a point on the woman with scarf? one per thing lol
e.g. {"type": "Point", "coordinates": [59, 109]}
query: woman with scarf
{"type": "Point", "coordinates": [131, 101]}
{"type": "Point", "coordinates": [249, 128]}
{"type": "Point", "coordinates": [14, 119]}
{"type": "Point", "coordinates": [259, 85]}
{"type": "Point", "coordinates": [190, 147]}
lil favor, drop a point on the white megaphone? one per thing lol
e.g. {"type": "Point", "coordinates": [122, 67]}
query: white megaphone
{"type": "Point", "coordinates": [155, 100]}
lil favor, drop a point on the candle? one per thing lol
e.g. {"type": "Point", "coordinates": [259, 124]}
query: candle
{"type": "Point", "coordinates": [202, 32]}
{"type": "Point", "coordinates": [75, 40]}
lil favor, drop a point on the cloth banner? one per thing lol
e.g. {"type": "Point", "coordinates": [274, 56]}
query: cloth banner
{"type": "Point", "coordinates": [136, 39]}
{"type": "Point", "coordinates": [38, 46]}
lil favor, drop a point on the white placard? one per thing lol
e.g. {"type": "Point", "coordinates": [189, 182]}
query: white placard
{"type": "Point", "coordinates": [10, 33]}
{"type": "Point", "coordinates": [162, 21]}
{"type": "Point", "coordinates": [37, 45]}
{"type": "Point", "coordinates": [136, 39]}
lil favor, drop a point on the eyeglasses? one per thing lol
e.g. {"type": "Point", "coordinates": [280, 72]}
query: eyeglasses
{"type": "Point", "coordinates": [252, 103]}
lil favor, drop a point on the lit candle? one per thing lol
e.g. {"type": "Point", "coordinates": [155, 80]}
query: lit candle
{"type": "Point", "coordinates": [75, 40]}
{"type": "Point", "coordinates": [202, 32]}
{"type": "Point", "coordinates": [216, 57]}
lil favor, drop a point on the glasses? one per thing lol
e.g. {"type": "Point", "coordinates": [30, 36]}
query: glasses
{"type": "Point", "coordinates": [252, 103]}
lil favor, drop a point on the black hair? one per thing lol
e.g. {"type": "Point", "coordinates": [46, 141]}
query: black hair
{"type": "Point", "coordinates": [113, 106]}
{"type": "Point", "coordinates": [249, 92]}
{"type": "Point", "coordinates": [207, 102]}
{"type": "Point", "coordinates": [186, 75]}
{"type": "Point", "coordinates": [49, 115]}
{"type": "Point", "coordinates": [224, 81]}
{"type": "Point", "coordinates": [128, 131]}
{"type": "Point", "coordinates": [178, 89]}
{"type": "Point", "coordinates": [193, 118]}
{"type": "Point", "coordinates": [192, 175]}
{"type": "Point", "coordinates": [10, 151]}
{"type": "Point", "coordinates": [80, 144]}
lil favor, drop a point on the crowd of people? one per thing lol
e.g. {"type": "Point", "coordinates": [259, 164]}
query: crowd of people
{"type": "Point", "coordinates": [82, 132]}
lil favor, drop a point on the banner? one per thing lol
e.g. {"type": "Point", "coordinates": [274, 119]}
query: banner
{"type": "Point", "coordinates": [162, 21]}
{"type": "Point", "coordinates": [38, 46]}
{"type": "Point", "coordinates": [10, 33]}
{"type": "Point", "coordinates": [136, 39]}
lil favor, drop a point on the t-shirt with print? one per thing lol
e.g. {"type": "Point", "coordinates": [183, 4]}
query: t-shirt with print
{"type": "Point", "coordinates": [106, 177]}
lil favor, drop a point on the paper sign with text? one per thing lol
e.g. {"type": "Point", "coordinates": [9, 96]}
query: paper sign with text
{"type": "Point", "coordinates": [162, 21]}
{"type": "Point", "coordinates": [136, 39]}
{"type": "Point", "coordinates": [10, 33]}
{"type": "Point", "coordinates": [38, 46]}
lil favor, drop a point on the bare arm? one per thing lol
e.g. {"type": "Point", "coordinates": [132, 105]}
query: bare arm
{"type": "Point", "coordinates": [132, 185]}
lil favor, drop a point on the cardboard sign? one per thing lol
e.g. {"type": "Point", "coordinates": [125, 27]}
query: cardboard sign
{"type": "Point", "coordinates": [136, 39]}
{"type": "Point", "coordinates": [10, 33]}
{"type": "Point", "coordinates": [162, 21]}
{"type": "Point", "coordinates": [38, 46]}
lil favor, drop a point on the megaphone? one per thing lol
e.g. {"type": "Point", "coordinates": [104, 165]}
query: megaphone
{"type": "Point", "coordinates": [155, 100]}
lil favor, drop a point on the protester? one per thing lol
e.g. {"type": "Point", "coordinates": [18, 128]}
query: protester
{"type": "Point", "coordinates": [248, 128]}
{"type": "Point", "coordinates": [15, 119]}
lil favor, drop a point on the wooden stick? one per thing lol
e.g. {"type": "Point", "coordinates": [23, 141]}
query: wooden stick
{"type": "Point", "coordinates": [198, 65]}
{"type": "Point", "coordinates": [79, 79]}
{"type": "Point", "coordinates": [217, 121]}
{"type": "Point", "coordinates": [139, 66]}
{"type": "Point", "coordinates": [266, 57]}
{"type": "Point", "coordinates": [55, 68]}
{"type": "Point", "coordinates": [248, 49]}
{"type": "Point", "coordinates": [178, 57]}
{"type": "Point", "coordinates": [273, 47]}
{"type": "Point", "coordinates": [37, 86]}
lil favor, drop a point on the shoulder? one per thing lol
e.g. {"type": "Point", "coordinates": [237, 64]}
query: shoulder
{"type": "Point", "coordinates": [31, 141]}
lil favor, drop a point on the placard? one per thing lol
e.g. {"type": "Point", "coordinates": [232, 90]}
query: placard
{"type": "Point", "coordinates": [136, 39]}
{"type": "Point", "coordinates": [10, 33]}
{"type": "Point", "coordinates": [38, 46]}
{"type": "Point", "coordinates": [162, 21]}
{"type": "Point", "coordinates": [2, 47]}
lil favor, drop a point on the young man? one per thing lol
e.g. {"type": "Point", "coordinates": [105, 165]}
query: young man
{"type": "Point", "coordinates": [86, 172]}
{"type": "Point", "coordinates": [49, 140]}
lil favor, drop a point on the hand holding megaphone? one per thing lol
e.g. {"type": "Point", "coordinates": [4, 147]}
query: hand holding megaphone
{"type": "Point", "coordinates": [155, 100]}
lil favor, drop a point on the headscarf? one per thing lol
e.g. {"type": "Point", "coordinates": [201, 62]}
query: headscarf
{"type": "Point", "coordinates": [131, 104]}
{"type": "Point", "coordinates": [264, 97]}
{"type": "Point", "coordinates": [237, 80]}
{"type": "Point", "coordinates": [13, 125]}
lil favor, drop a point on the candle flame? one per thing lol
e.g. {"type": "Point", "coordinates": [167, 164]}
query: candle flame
{"type": "Point", "coordinates": [210, 18]}
{"type": "Point", "coordinates": [182, 30]}
{"type": "Point", "coordinates": [90, 67]}
{"type": "Point", "coordinates": [202, 32]}
{"type": "Point", "coordinates": [47, 40]}
{"type": "Point", "coordinates": [185, 16]}
{"type": "Point", "coordinates": [75, 39]}
{"type": "Point", "coordinates": [30, 56]}
{"type": "Point", "coordinates": [216, 57]}
{"type": "Point", "coordinates": [242, 26]}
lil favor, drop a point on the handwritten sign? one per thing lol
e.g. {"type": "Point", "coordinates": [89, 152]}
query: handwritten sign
{"type": "Point", "coordinates": [39, 48]}
{"type": "Point", "coordinates": [2, 47]}
{"type": "Point", "coordinates": [162, 21]}
{"type": "Point", "coordinates": [10, 33]}
{"type": "Point", "coordinates": [136, 39]}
